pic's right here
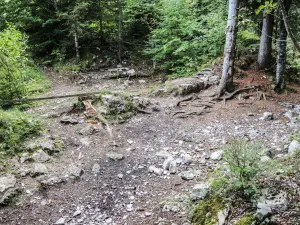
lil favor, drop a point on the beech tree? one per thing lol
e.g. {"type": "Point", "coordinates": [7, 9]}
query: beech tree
{"type": "Point", "coordinates": [226, 83]}
{"type": "Point", "coordinates": [265, 48]}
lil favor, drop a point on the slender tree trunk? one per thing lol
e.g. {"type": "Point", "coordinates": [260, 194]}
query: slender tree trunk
{"type": "Point", "coordinates": [287, 27]}
{"type": "Point", "coordinates": [226, 83]}
{"type": "Point", "coordinates": [76, 46]}
{"type": "Point", "coordinates": [101, 21]}
{"type": "Point", "coordinates": [281, 55]}
{"type": "Point", "coordinates": [120, 31]}
{"type": "Point", "coordinates": [265, 49]}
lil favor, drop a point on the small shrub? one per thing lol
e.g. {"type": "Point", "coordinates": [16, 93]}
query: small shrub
{"type": "Point", "coordinates": [244, 162]}
{"type": "Point", "coordinates": [15, 127]}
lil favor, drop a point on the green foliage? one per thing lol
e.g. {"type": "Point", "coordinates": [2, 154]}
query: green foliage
{"type": "Point", "coordinates": [186, 37]}
{"type": "Point", "coordinates": [246, 220]}
{"type": "Point", "coordinates": [13, 60]}
{"type": "Point", "coordinates": [205, 212]}
{"type": "Point", "coordinates": [19, 76]}
{"type": "Point", "coordinates": [244, 163]}
{"type": "Point", "coordinates": [15, 128]}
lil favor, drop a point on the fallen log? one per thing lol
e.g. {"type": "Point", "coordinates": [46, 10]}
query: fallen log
{"type": "Point", "coordinates": [48, 97]}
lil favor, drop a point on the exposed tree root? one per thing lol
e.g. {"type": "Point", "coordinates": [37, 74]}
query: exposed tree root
{"type": "Point", "coordinates": [143, 111]}
{"type": "Point", "coordinates": [231, 95]}
{"type": "Point", "coordinates": [190, 98]}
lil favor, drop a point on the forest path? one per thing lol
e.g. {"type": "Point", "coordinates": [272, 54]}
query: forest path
{"type": "Point", "coordinates": [123, 191]}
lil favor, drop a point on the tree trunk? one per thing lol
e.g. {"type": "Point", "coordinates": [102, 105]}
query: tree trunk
{"type": "Point", "coordinates": [120, 32]}
{"type": "Point", "coordinates": [101, 21]}
{"type": "Point", "coordinates": [76, 46]}
{"type": "Point", "coordinates": [226, 83]}
{"type": "Point", "coordinates": [281, 55]}
{"type": "Point", "coordinates": [287, 27]}
{"type": "Point", "coordinates": [265, 49]}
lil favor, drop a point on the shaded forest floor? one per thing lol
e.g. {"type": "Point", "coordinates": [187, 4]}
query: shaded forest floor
{"type": "Point", "coordinates": [123, 191]}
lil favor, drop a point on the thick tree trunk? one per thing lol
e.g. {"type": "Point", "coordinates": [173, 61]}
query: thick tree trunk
{"type": "Point", "coordinates": [120, 31]}
{"type": "Point", "coordinates": [281, 55]}
{"type": "Point", "coordinates": [226, 83]}
{"type": "Point", "coordinates": [265, 49]}
{"type": "Point", "coordinates": [76, 46]}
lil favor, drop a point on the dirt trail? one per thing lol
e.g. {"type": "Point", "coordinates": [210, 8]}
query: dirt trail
{"type": "Point", "coordinates": [123, 191]}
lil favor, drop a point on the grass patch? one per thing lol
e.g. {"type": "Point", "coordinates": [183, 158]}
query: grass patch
{"type": "Point", "coordinates": [205, 212]}
{"type": "Point", "coordinates": [246, 220]}
{"type": "Point", "coordinates": [15, 128]}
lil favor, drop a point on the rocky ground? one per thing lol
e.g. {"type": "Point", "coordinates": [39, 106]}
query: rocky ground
{"type": "Point", "coordinates": [141, 171]}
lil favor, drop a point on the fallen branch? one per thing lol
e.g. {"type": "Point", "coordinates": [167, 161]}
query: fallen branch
{"type": "Point", "coordinates": [49, 97]}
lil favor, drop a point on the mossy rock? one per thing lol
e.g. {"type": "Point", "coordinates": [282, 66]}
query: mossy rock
{"type": "Point", "coordinates": [206, 211]}
{"type": "Point", "coordinates": [246, 220]}
{"type": "Point", "coordinates": [185, 86]}
{"type": "Point", "coordinates": [118, 106]}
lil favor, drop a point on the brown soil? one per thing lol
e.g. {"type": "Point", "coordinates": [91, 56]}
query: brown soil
{"type": "Point", "coordinates": [106, 196]}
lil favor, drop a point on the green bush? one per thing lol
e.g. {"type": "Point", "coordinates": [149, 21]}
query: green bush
{"type": "Point", "coordinates": [242, 169]}
{"type": "Point", "coordinates": [15, 128]}
{"type": "Point", "coordinates": [187, 35]}
{"type": "Point", "coordinates": [19, 76]}
{"type": "Point", "coordinates": [13, 60]}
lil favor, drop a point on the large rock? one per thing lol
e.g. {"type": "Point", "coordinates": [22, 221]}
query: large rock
{"type": "Point", "coordinates": [170, 165]}
{"type": "Point", "coordinates": [40, 156]}
{"type": "Point", "coordinates": [7, 181]}
{"type": "Point", "coordinates": [38, 169]}
{"type": "Point", "coordinates": [187, 175]}
{"type": "Point", "coordinates": [114, 104]}
{"type": "Point", "coordinates": [74, 171]}
{"type": "Point", "coordinates": [9, 195]}
{"type": "Point", "coordinates": [47, 181]}
{"type": "Point", "coordinates": [155, 170]}
{"type": "Point", "coordinates": [217, 155]}
{"type": "Point", "coordinates": [200, 191]}
{"type": "Point", "coordinates": [294, 147]}
{"type": "Point", "coordinates": [267, 116]}
{"type": "Point", "coordinates": [269, 204]}
{"type": "Point", "coordinates": [89, 130]}
{"type": "Point", "coordinates": [185, 86]}
{"type": "Point", "coordinates": [68, 120]}
{"type": "Point", "coordinates": [115, 156]}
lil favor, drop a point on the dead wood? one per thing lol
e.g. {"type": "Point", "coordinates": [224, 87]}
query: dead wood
{"type": "Point", "coordinates": [49, 97]}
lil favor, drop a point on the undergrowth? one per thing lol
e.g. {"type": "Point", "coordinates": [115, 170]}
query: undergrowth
{"type": "Point", "coordinates": [15, 128]}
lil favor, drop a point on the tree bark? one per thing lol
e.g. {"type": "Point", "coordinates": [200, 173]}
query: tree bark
{"type": "Point", "coordinates": [101, 21]}
{"type": "Point", "coordinates": [120, 32]}
{"type": "Point", "coordinates": [226, 83]}
{"type": "Point", "coordinates": [76, 46]}
{"type": "Point", "coordinates": [281, 55]}
{"type": "Point", "coordinates": [287, 27]}
{"type": "Point", "coordinates": [265, 49]}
